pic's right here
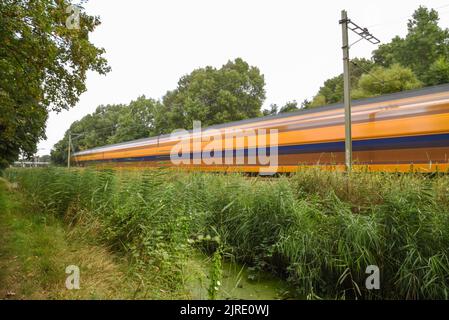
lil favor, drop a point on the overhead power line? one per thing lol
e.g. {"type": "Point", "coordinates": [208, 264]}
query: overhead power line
{"type": "Point", "coordinates": [368, 72]}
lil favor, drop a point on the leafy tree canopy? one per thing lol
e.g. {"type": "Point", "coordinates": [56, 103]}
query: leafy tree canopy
{"type": "Point", "coordinates": [236, 90]}
{"type": "Point", "coordinates": [421, 58]}
{"type": "Point", "coordinates": [290, 106]}
{"type": "Point", "coordinates": [110, 124]}
{"type": "Point", "coordinates": [233, 92]}
{"type": "Point", "coordinates": [332, 89]}
{"type": "Point", "coordinates": [385, 80]}
{"type": "Point", "coordinates": [425, 47]}
{"type": "Point", "coordinates": [43, 66]}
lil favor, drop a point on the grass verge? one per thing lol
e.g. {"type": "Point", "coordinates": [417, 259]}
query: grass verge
{"type": "Point", "coordinates": [36, 247]}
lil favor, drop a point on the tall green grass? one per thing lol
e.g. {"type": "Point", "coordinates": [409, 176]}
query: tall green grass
{"type": "Point", "coordinates": [319, 230]}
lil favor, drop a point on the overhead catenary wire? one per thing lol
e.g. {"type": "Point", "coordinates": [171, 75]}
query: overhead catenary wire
{"type": "Point", "coordinates": [371, 74]}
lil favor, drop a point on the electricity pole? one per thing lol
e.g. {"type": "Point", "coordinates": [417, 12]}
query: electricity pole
{"type": "Point", "coordinates": [364, 34]}
{"type": "Point", "coordinates": [347, 91]}
{"type": "Point", "coordinates": [68, 150]}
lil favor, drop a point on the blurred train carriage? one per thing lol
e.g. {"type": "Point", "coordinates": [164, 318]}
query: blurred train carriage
{"type": "Point", "coordinates": [394, 132]}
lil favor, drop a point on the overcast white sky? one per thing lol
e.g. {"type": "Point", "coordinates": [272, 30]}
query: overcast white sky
{"type": "Point", "coordinates": [296, 45]}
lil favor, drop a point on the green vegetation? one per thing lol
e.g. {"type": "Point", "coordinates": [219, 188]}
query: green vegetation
{"type": "Point", "coordinates": [318, 230]}
{"type": "Point", "coordinates": [424, 49]}
{"type": "Point", "coordinates": [212, 96]}
{"type": "Point", "coordinates": [37, 246]}
{"type": "Point", "coordinates": [419, 59]}
{"type": "Point", "coordinates": [110, 124]}
{"type": "Point", "coordinates": [385, 80]}
{"type": "Point", "coordinates": [290, 106]}
{"type": "Point", "coordinates": [332, 89]}
{"type": "Point", "coordinates": [43, 66]}
{"type": "Point", "coordinates": [236, 90]}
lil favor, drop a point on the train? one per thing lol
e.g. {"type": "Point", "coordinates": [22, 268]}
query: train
{"type": "Point", "coordinates": [397, 132]}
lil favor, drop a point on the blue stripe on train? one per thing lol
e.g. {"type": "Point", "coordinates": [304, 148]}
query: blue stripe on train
{"type": "Point", "coordinates": [426, 141]}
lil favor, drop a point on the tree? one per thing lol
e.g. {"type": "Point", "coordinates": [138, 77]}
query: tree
{"type": "Point", "coordinates": [45, 158]}
{"type": "Point", "coordinates": [306, 104]}
{"type": "Point", "coordinates": [233, 92]}
{"type": "Point", "coordinates": [424, 49]}
{"type": "Point", "coordinates": [332, 89]}
{"type": "Point", "coordinates": [290, 106]}
{"type": "Point", "coordinates": [385, 80]}
{"type": "Point", "coordinates": [272, 111]}
{"type": "Point", "coordinates": [110, 124]}
{"type": "Point", "coordinates": [43, 66]}
{"type": "Point", "coordinates": [438, 72]}
{"type": "Point", "coordinates": [93, 130]}
{"type": "Point", "coordinates": [330, 92]}
{"type": "Point", "coordinates": [137, 120]}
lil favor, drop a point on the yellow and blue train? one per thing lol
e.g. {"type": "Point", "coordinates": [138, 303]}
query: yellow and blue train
{"type": "Point", "coordinates": [394, 132]}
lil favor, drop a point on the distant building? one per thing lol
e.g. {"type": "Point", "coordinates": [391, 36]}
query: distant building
{"type": "Point", "coordinates": [30, 164]}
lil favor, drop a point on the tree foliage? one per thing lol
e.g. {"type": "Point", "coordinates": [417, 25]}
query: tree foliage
{"type": "Point", "coordinates": [332, 89]}
{"type": "Point", "coordinates": [425, 47]}
{"type": "Point", "coordinates": [236, 90]}
{"type": "Point", "coordinates": [438, 72]}
{"type": "Point", "coordinates": [233, 92]}
{"type": "Point", "coordinates": [110, 124]}
{"type": "Point", "coordinates": [43, 67]}
{"type": "Point", "coordinates": [385, 80]}
{"type": "Point", "coordinates": [421, 58]}
{"type": "Point", "coordinates": [290, 106]}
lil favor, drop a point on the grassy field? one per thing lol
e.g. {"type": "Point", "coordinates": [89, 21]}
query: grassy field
{"type": "Point", "coordinates": [36, 247]}
{"type": "Point", "coordinates": [317, 230]}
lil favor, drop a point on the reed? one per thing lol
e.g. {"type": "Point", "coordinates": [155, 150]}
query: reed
{"type": "Point", "coordinates": [319, 230]}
